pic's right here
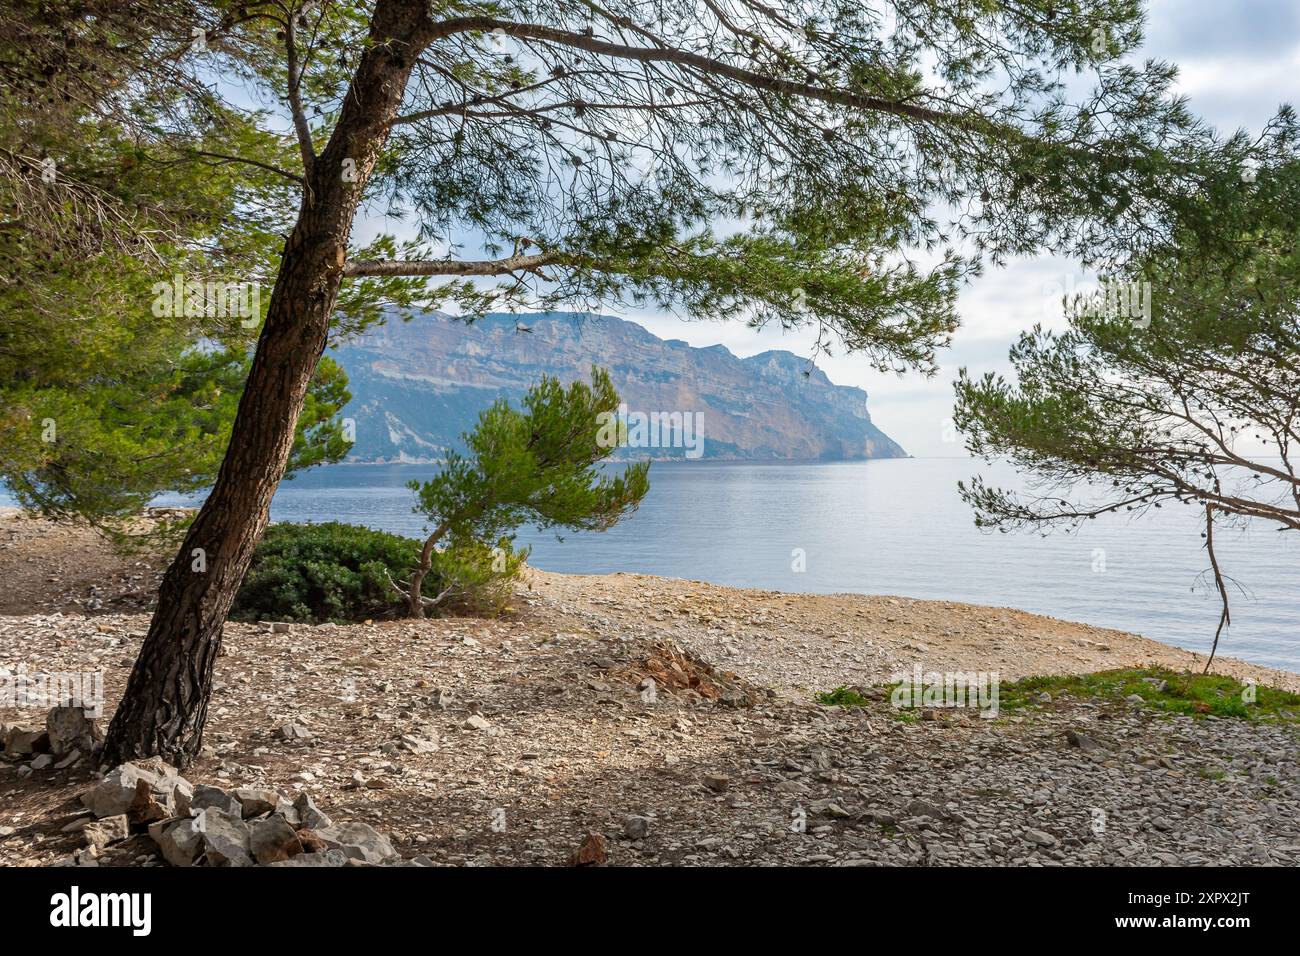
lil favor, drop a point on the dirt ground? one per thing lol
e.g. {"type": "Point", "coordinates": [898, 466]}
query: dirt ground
{"type": "Point", "coordinates": [726, 759]}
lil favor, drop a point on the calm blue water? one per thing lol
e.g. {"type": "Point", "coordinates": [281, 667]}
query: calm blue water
{"type": "Point", "coordinates": [887, 527]}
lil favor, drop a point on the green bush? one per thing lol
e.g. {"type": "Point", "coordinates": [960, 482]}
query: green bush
{"type": "Point", "coordinates": [484, 576]}
{"type": "Point", "coordinates": [328, 572]}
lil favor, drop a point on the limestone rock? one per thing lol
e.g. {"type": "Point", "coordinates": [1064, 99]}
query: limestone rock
{"type": "Point", "coordinates": [273, 839]}
{"type": "Point", "coordinates": [311, 843]}
{"type": "Point", "coordinates": [310, 816]}
{"type": "Point", "coordinates": [328, 858]}
{"type": "Point", "coordinates": [418, 745]}
{"type": "Point", "coordinates": [100, 833]}
{"type": "Point", "coordinates": [117, 792]}
{"type": "Point", "coordinates": [257, 802]}
{"type": "Point", "coordinates": [358, 841]}
{"type": "Point", "coordinates": [1083, 741]}
{"type": "Point", "coordinates": [290, 732]}
{"type": "Point", "coordinates": [25, 743]}
{"type": "Point", "coordinates": [225, 838]}
{"type": "Point", "coordinates": [592, 852]}
{"type": "Point", "coordinates": [922, 808]}
{"type": "Point", "coordinates": [206, 797]}
{"type": "Point", "coordinates": [70, 729]}
{"type": "Point", "coordinates": [181, 842]}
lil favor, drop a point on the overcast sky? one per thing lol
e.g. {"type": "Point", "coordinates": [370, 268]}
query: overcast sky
{"type": "Point", "coordinates": [1238, 59]}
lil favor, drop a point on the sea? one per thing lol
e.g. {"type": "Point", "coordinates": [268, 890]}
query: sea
{"type": "Point", "coordinates": [895, 527]}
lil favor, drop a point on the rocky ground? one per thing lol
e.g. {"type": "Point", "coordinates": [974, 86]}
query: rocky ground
{"type": "Point", "coordinates": [479, 742]}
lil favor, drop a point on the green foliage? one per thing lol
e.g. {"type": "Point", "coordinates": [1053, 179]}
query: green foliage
{"type": "Point", "coordinates": [841, 697]}
{"type": "Point", "coordinates": [1195, 406]}
{"type": "Point", "coordinates": [482, 577]}
{"type": "Point", "coordinates": [109, 392]}
{"type": "Point", "coordinates": [537, 464]}
{"type": "Point", "coordinates": [327, 572]}
{"type": "Point", "coordinates": [1164, 691]}
{"type": "Point", "coordinates": [1192, 403]}
{"type": "Point", "coordinates": [786, 165]}
{"type": "Point", "coordinates": [534, 464]}
{"type": "Point", "coordinates": [338, 572]}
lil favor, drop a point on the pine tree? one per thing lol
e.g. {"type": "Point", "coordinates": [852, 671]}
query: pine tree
{"type": "Point", "coordinates": [783, 163]}
{"type": "Point", "coordinates": [536, 465]}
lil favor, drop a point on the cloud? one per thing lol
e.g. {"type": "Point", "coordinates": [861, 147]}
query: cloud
{"type": "Point", "coordinates": [1238, 60]}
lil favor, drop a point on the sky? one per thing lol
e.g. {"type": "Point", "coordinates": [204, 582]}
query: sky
{"type": "Point", "coordinates": [1239, 60]}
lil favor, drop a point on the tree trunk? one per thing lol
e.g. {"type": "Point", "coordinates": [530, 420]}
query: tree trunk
{"type": "Point", "coordinates": [165, 704]}
{"type": "Point", "coordinates": [414, 596]}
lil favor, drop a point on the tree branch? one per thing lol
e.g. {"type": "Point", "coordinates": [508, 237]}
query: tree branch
{"type": "Point", "coordinates": [704, 64]}
{"type": "Point", "coordinates": [250, 162]}
{"type": "Point", "coordinates": [1224, 618]}
{"type": "Point", "coordinates": [363, 268]}
{"type": "Point", "coordinates": [300, 124]}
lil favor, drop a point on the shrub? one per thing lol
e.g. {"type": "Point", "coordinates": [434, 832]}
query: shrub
{"type": "Point", "coordinates": [482, 578]}
{"type": "Point", "coordinates": [328, 572]}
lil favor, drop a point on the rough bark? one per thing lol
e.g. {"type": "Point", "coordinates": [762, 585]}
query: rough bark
{"type": "Point", "coordinates": [165, 705]}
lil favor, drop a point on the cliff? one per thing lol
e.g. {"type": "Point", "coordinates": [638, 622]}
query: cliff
{"type": "Point", "coordinates": [418, 385]}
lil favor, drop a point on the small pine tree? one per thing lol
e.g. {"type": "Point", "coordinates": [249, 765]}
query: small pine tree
{"type": "Point", "coordinates": [533, 464]}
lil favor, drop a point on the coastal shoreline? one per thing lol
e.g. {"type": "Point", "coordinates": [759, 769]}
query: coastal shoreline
{"type": "Point", "coordinates": [797, 642]}
{"type": "Point", "coordinates": [513, 741]}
